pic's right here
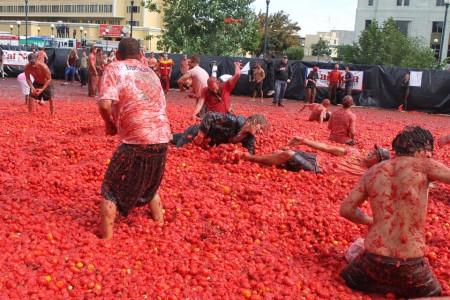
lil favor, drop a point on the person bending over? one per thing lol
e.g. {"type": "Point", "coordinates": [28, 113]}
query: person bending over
{"type": "Point", "coordinates": [397, 190]}
{"type": "Point", "coordinates": [217, 128]}
{"type": "Point", "coordinates": [319, 111]}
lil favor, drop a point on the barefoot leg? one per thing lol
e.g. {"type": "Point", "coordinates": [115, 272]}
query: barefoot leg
{"type": "Point", "coordinates": [30, 105]}
{"type": "Point", "coordinates": [156, 210]}
{"type": "Point", "coordinates": [52, 107]}
{"type": "Point", "coordinates": [108, 214]}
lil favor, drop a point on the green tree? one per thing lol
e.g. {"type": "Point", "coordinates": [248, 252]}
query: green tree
{"type": "Point", "coordinates": [387, 45]}
{"type": "Point", "coordinates": [295, 53]}
{"type": "Point", "coordinates": [210, 27]}
{"type": "Point", "coordinates": [321, 48]}
{"type": "Point", "coordinates": [282, 33]}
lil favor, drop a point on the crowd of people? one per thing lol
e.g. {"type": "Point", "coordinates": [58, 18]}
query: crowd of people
{"type": "Point", "coordinates": [132, 100]}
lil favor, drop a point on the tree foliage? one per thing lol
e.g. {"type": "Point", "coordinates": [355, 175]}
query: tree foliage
{"type": "Point", "coordinates": [281, 32]}
{"type": "Point", "coordinates": [198, 26]}
{"type": "Point", "coordinates": [295, 53]}
{"type": "Point", "coordinates": [387, 45]}
{"type": "Point", "coordinates": [321, 48]}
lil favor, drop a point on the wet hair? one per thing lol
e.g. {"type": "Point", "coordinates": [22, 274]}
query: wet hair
{"type": "Point", "coordinates": [212, 80]}
{"type": "Point", "coordinates": [412, 139]}
{"type": "Point", "coordinates": [195, 59]}
{"type": "Point", "coordinates": [258, 119]}
{"type": "Point", "coordinates": [129, 48]}
{"type": "Point", "coordinates": [93, 49]}
{"type": "Point", "coordinates": [326, 102]}
{"type": "Point", "coordinates": [347, 101]}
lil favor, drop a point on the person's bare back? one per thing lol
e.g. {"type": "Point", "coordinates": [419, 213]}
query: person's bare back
{"type": "Point", "coordinates": [398, 192]}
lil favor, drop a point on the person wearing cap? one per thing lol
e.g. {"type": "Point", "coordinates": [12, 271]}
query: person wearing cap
{"type": "Point", "coordinates": [42, 86]}
{"type": "Point", "coordinates": [350, 162]}
{"type": "Point", "coordinates": [342, 123]}
{"type": "Point", "coordinates": [283, 76]}
{"type": "Point", "coordinates": [311, 82]}
{"type": "Point", "coordinates": [152, 62]}
{"type": "Point", "coordinates": [319, 111]}
{"type": "Point", "coordinates": [214, 69]}
{"type": "Point", "coordinates": [393, 257]}
{"type": "Point", "coordinates": [334, 80]}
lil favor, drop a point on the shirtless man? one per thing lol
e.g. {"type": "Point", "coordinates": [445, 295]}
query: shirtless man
{"type": "Point", "coordinates": [42, 56]}
{"type": "Point", "coordinates": [319, 112]}
{"type": "Point", "coordinates": [92, 71]}
{"type": "Point", "coordinates": [397, 190]}
{"type": "Point", "coordinates": [42, 87]}
{"type": "Point", "coordinates": [350, 162]}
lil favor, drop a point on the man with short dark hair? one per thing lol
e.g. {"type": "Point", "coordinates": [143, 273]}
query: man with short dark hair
{"type": "Point", "coordinates": [348, 81]}
{"type": "Point", "coordinates": [92, 70]}
{"type": "Point", "coordinates": [283, 76]}
{"type": "Point", "coordinates": [334, 80]}
{"type": "Point", "coordinates": [394, 248]}
{"type": "Point", "coordinates": [42, 86]}
{"type": "Point", "coordinates": [132, 105]}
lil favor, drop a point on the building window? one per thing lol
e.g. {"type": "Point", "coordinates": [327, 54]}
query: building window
{"type": "Point", "coordinates": [370, 2]}
{"type": "Point", "coordinates": [32, 8]}
{"type": "Point", "coordinates": [406, 2]}
{"type": "Point", "coordinates": [403, 2]}
{"type": "Point", "coordinates": [100, 22]}
{"type": "Point", "coordinates": [114, 22]}
{"type": "Point", "coordinates": [1, 8]}
{"type": "Point", "coordinates": [107, 8]}
{"type": "Point", "coordinates": [93, 8]}
{"type": "Point", "coordinates": [80, 8]}
{"type": "Point", "coordinates": [135, 23]}
{"type": "Point", "coordinates": [403, 26]}
{"type": "Point", "coordinates": [55, 8]}
{"type": "Point", "coordinates": [440, 3]}
{"type": "Point", "coordinates": [21, 9]}
{"type": "Point", "coordinates": [67, 8]}
{"type": "Point", "coordinates": [437, 27]}
{"type": "Point", "coordinates": [368, 22]}
{"type": "Point", "coordinates": [43, 8]}
{"type": "Point", "coordinates": [136, 9]}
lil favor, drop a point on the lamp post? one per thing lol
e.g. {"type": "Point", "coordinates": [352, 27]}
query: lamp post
{"type": "Point", "coordinates": [18, 29]}
{"type": "Point", "coordinates": [26, 22]}
{"type": "Point", "coordinates": [81, 32]}
{"type": "Point", "coordinates": [107, 32]}
{"type": "Point", "coordinates": [265, 27]}
{"type": "Point", "coordinates": [39, 31]}
{"type": "Point", "coordinates": [52, 26]}
{"type": "Point", "coordinates": [443, 39]}
{"type": "Point", "coordinates": [131, 22]}
{"type": "Point", "coordinates": [10, 28]}
{"type": "Point", "coordinates": [85, 33]}
{"type": "Point", "coordinates": [435, 41]}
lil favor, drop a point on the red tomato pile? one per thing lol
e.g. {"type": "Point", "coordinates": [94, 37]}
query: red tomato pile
{"type": "Point", "coordinates": [234, 230]}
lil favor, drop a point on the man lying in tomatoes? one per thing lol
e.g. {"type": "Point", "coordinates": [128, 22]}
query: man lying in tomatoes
{"type": "Point", "coordinates": [351, 160]}
{"type": "Point", "coordinates": [397, 189]}
{"type": "Point", "coordinates": [217, 128]}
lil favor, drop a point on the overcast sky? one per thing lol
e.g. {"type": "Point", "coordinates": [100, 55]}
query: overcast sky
{"type": "Point", "coordinates": [314, 15]}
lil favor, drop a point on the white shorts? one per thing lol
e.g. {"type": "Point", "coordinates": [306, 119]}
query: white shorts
{"type": "Point", "coordinates": [23, 83]}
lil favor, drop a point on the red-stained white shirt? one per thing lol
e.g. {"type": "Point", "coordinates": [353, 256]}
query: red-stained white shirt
{"type": "Point", "coordinates": [342, 126]}
{"type": "Point", "coordinates": [139, 104]}
{"type": "Point", "coordinates": [199, 80]}
{"type": "Point", "coordinates": [352, 163]}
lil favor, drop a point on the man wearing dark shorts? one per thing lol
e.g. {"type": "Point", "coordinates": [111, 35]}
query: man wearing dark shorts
{"type": "Point", "coordinates": [132, 104]}
{"type": "Point", "coordinates": [351, 161]}
{"type": "Point", "coordinates": [394, 247]}
{"type": "Point", "coordinates": [42, 87]}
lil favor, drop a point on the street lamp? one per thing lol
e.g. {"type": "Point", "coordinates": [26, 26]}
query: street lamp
{"type": "Point", "coordinates": [265, 28]}
{"type": "Point", "coordinates": [131, 23]}
{"type": "Point", "coordinates": [442, 49]}
{"type": "Point", "coordinates": [106, 31]}
{"type": "Point", "coordinates": [81, 32]}
{"type": "Point", "coordinates": [11, 28]}
{"type": "Point", "coordinates": [85, 33]}
{"type": "Point", "coordinates": [52, 26]}
{"type": "Point", "coordinates": [18, 29]}
{"type": "Point", "coordinates": [435, 41]}
{"type": "Point", "coordinates": [26, 22]}
{"type": "Point", "coordinates": [39, 31]}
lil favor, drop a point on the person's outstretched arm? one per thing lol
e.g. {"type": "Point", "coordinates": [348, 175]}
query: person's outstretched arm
{"type": "Point", "coordinates": [237, 73]}
{"type": "Point", "coordinates": [335, 150]}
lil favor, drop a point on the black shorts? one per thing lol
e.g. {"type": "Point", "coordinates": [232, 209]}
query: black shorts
{"type": "Point", "coordinates": [134, 175]}
{"type": "Point", "coordinates": [408, 278]}
{"type": "Point", "coordinates": [257, 86]}
{"type": "Point", "coordinates": [46, 95]}
{"type": "Point", "coordinates": [302, 161]}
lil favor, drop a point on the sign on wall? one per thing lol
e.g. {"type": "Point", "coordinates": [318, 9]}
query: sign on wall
{"type": "Point", "coordinates": [323, 78]}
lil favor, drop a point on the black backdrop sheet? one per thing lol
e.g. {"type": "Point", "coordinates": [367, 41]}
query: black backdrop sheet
{"type": "Point", "coordinates": [381, 85]}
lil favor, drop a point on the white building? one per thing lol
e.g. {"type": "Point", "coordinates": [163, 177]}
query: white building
{"type": "Point", "coordinates": [424, 18]}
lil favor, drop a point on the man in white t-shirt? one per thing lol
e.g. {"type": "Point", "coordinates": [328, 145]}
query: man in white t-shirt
{"type": "Point", "coordinates": [199, 79]}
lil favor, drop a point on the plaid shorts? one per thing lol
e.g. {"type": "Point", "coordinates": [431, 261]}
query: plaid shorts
{"type": "Point", "coordinates": [134, 175]}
